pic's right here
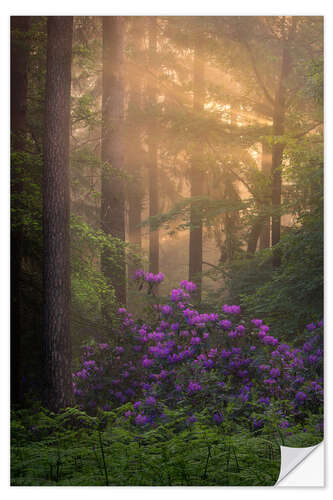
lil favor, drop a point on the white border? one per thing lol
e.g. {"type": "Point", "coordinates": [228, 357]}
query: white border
{"type": "Point", "coordinates": [144, 7]}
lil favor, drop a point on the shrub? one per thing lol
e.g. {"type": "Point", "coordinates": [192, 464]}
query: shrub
{"type": "Point", "coordinates": [235, 370]}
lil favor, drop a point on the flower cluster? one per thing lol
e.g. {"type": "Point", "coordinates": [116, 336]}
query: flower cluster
{"type": "Point", "coordinates": [140, 274]}
{"type": "Point", "coordinates": [194, 360]}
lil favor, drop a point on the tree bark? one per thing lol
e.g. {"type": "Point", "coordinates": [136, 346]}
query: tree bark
{"type": "Point", "coordinates": [20, 46]}
{"type": "Point", "coordinates": [266, 167]}
{"type": "Point", "coordinates": [278, 147]}
{"type": "Point", "coordinates": [113, 198]}
{"type": "Point", "coordinates": [196, 178]}
{"type": "Point", "coordinates": [152, 152]}
{"type": "Point", "coordinates": [134, 151]}
{"type": "Point", "coordinates": [56, 216]}
{"type": "Point", "coordinates": [254, 236]}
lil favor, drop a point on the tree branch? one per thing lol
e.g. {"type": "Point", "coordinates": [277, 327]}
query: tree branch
{"type": "Point", "coordinates": [211, 265]}
{"type": "Point", "coordinates": [259, 79]}
{"type": "Point", "coordinates": [301, 134]}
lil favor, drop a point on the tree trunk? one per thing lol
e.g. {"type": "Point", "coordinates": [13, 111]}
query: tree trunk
{"type": "Point", "coordinates": [20, 47]}
{"type": "Point", "coordinates": [254, 236]}
{"type": "Point", "coordinates": [56, 216]}
{"type": "Point", "coordinates": [152, 152]}
{"type": "Point", "coordinates": [196, 178]}
{"type": "Point", "coordinates": [266, 167]}
{"type": "Point", "coordinates": [112, 203]}
{"type": "Point", "coordinates": [278, 147]}
{"type": "Point", "coordinates": [134, 149]}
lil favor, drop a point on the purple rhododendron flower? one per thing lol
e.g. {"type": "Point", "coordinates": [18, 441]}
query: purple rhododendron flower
{"type": "Point", "coordinates": [218, 417]}
{"type": "Point", "coordinates": [257, 423]}
{"type": "Point", "coordinates": [146, 362]}
{"type": "Point", "coordinates": [269, 340]}
{"type": "Point", "coordinates": [188, 285]}
{"type": "Point", "coordinates": [194, 386]}
{"type": "Point", "coordinates": [150, 401]}
{"type": "Point", "coordinates": [153, 278]}
{"type": "Point", "coordinates": [103, 346]}
{"type": "Point", "coordinates": [240, 330]}
{"type": "Point", "coordinates": [275, 372]}
{"type": "Point", "coordinates": [310, 327]}
{"type": "Point", "coordinates": [231, 309]}
{"type": "Point", "coordinates": [225, 324]}
{"type": "Point", "coordinates": [300, 396]}
{"type": "Point", "coordinates": [82, 374]}
{"type": "Point", "coordinates": [225, 353]}
{"type": "Point", "coordinates": [270, 381]}
{"type": "Point", "coordinates": [283, 348]}
{"type": "Point", "coordinates": [192, 419]}
{"type": "Point", "coordinates": [141, 419]}
{"type": "Point", "coordinates": [312, 359]}
{"type": "Point", "coordinates": [166, 310]}
{"type": "Point", "coordinates": [89, 364]}
{"type": "Point", "coordinates": [139, 273]}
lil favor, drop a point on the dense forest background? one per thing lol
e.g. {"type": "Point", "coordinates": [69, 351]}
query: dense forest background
{"type": "Point", "coordinates": [187, 147]}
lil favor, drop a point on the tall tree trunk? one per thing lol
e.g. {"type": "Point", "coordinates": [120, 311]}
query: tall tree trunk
{"type": "Point", "coordinates": [20, 47]}
{"type": "Point", "coordinates": [134, 149]}
{"type": "Point", "coordinates": [254, 236]}
{"type": "Point", "coordinates": [261, 227]}
{"type": "Point", "coordinates": [112, 203]}
{"type": "Point", "coordinates": [278, 131]}
{"type": "Point", "coordinates": [56, 215]}
{"type": "Point", "coordinates": [196, 177]}
{"type": "Point", "coordinates": [266, 167]}
{"type": "Point", "coordinates": [152, 152]}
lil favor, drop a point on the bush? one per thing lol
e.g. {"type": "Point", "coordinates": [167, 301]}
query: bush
{"type": "Point", "coordinates": [233, 369]}
{"type": "Point", "coordinates": [293, 295]}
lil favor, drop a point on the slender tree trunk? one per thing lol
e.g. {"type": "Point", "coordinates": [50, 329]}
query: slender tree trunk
{"type": "Point", "coordinates": [152, 152]}
{"type": "Point", "coordinates": [56, 216]}
{"type": "Point", "coordinates": [266, 167]}
{"type": "Point", "coordinates": [112, 203]}
{"type": "Point", "coordinates": [254, 236]}
{"type": "Point", "coordinates": [18, 108]}
{"type": "Point", "coordinates": [261, 227]}
{"type": "Point", "coordinates": [134, 149]}
{"type": "Point", "coordinates": [196, 178]}
{"type": "Point", "coordinates": [278, 147]}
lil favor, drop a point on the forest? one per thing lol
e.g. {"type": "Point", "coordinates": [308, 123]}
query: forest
{"type": "Point", "coordinates": [166, 248]}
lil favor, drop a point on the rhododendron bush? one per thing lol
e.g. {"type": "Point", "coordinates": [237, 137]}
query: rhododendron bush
{"type": "Point", "coordinates": [233, 370]}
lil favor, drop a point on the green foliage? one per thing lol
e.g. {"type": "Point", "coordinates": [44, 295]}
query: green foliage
{"type": "Point", "coordinates": [74, 449]}
{"type": "Point", "coordinates": [244, 276]}
{"type": "Point", "coordinates": [90, 289]}
{"type": "Point", "coordinates": [293, 295]}
{"type": "Point", "coordinates": [314, 87]}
